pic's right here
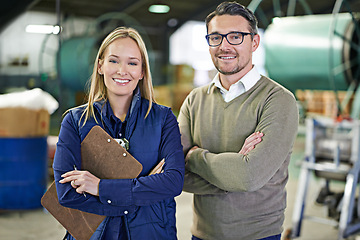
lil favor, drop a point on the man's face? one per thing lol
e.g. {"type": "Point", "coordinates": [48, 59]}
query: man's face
{"type": "Point", "coordinates": [232, 59]}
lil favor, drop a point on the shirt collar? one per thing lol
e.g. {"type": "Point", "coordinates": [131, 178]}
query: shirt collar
{"type": "Point", "coordinates": [136, 97]}
{"type": "Point", "coordinates": [249, 80]}
{"type": "Point", "coordinates": [110, 113]}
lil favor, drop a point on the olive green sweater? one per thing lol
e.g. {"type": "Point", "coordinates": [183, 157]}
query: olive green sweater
{"type": "Point", "coordinates": [238, 196]}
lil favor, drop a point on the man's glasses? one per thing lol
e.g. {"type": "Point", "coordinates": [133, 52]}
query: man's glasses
{"type": "Point", "coordinates": [234, 38]}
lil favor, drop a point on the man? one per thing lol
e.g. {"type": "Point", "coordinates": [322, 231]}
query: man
{"type": "Point", "coordinates": [237, 135]}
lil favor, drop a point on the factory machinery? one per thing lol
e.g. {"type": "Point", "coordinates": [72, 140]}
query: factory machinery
{"type": "Point", "coordinates": [321, 52]}
{"type": "Point", "coordinates": [332, 152]}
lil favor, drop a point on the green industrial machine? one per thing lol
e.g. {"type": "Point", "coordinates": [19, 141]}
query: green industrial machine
{"type": "Point", "coordinates": [77, 60]}
{"type": "Point", "coordinates": [301, 54]}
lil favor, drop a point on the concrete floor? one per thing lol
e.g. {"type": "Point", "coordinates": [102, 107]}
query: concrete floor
{"type": "Point", "coordinates": [38, 224]}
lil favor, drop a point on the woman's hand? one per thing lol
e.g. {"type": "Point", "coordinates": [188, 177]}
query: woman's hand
{"type": "Point", "coordinates": [250, 142]}
{"type": "Point", "coordinates": [82, 181]}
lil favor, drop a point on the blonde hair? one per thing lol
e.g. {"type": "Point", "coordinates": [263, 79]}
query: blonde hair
{"type": "Point", "coordinates": [97, 89]}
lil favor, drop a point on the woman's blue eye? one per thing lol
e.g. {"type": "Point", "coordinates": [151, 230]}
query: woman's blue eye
{"type": "Point", "coordinates": [112, 61]}
{"type": "Point", "coordinates": [133, 64]}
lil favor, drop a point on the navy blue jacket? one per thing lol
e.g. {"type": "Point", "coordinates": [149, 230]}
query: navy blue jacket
{"type": "Point", "coordinates": [140, 208]}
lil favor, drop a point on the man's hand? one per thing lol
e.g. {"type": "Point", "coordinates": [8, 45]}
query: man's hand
{"type": "Point", "coordinates": [159, 168]}
{"type": "Point", "coordinates": [250, 142]}
{"type": "Point", "coordinates": [189, 153]}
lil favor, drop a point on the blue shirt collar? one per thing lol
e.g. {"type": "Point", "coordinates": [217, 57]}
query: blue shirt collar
{"type": "Point", "coordinates": [109, 112]}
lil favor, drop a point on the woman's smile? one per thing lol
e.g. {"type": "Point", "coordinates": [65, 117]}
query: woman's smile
{"type": "Point", "coordinates": [121, 81]}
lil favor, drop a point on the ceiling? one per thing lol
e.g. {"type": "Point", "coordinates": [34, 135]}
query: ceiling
{"type": "Point", "coordinates": [159, 27]}
{"type": "Point", "coordinates": [180, 12]}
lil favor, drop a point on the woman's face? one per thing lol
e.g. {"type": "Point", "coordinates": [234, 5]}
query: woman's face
{"type": "Point", "coordinates": [121, 67]}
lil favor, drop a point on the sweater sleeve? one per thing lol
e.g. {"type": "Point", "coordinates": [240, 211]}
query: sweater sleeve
{"type": "Point", "coordinates": [193, 183]}
{"type": "Point", "coordinates": [278, 120]}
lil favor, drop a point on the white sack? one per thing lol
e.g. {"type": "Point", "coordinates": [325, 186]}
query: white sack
{"type": "Point", "coordinates": [32, 99]}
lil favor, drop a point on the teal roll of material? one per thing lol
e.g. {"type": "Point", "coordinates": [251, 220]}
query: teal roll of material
{"type": "Point", "coordinates": [23, 172]}
{"type": "Point", "coordinates": [299, 51]}
{"type": "Point", "coordinates": [76, 61]}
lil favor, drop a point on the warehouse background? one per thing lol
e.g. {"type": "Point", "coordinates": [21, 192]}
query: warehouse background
{"type": "Point", "coordinates": [310, 47]}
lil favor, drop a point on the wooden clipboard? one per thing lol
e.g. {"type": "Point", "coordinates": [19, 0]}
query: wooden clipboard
{"type": "Point", "coordinates": [105, 158]}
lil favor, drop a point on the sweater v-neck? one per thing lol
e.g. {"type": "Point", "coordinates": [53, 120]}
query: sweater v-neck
{"type": "Point", "coordinates": [238, 98]}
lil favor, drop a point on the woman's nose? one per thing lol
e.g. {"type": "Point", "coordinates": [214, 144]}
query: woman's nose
{"type": "Point", "coordinates": [121, 70]}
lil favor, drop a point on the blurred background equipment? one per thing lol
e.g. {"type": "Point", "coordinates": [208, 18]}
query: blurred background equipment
{"type": "Point", "coordinates": [332, 153]}
{"type": "Point", "coordinates": [298, 52]}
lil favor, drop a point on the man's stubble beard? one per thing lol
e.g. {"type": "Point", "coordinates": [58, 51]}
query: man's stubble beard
{"type": "Point", "coordinates": [236, 69]}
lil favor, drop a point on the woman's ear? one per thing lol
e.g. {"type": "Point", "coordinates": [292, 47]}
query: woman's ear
{"type": "Point", "coordinates": [100, 71]}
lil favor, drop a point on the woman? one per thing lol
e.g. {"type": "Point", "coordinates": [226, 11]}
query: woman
{"type": "Point", "coordinates": [121, 101]}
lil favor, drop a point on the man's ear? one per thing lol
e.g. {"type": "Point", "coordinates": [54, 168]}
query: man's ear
{"type": "Point", "coordinates": [255, 42]}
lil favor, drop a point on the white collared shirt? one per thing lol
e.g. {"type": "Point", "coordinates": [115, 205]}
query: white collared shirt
{"type": "Point", "coordinates": [241, 86]}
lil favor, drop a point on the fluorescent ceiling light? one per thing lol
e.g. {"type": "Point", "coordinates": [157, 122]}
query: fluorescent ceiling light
{"type": "Point", "coordinates": [44, 29]}
{"type": "Point", "coordinates": [159, 8]}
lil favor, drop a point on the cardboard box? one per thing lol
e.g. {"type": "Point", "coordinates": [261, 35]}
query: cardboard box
{"type": "Point", "coordinates": [184, 74]}
{"type": "Point", "coordinates": [24, 122]}
{"type": "Point", "coordinates": [180, 93]}
{"type": "Point", "coordinates": [163, 95]}
{"type": "Point", "coordinates": [321, 102]}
